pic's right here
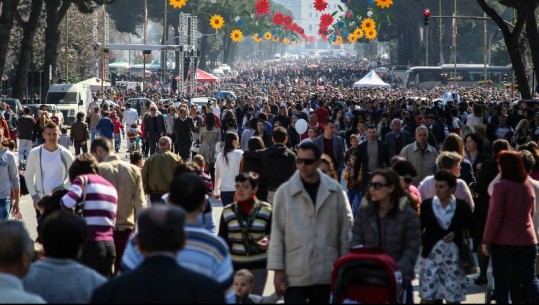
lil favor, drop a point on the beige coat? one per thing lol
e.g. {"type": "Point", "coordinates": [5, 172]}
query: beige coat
{"type": "Point", "coordinates": [307, 239]}
{"type": "Point", "coordinates": [128, 182]}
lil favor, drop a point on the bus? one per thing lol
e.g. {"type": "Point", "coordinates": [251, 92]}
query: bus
{"type": "Point", "coordinates": [467, 75]}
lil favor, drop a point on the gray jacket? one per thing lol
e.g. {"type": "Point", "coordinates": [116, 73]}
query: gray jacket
{"type": "Point", "coordinates": [401, 238]}
{"type": "Point", "coordinates": [338, 148]}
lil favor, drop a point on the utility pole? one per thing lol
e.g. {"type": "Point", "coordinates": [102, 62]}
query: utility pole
{"type": "Point", "coordinates": [65, 50]}
{"type": "Point", "coordinates": [440, 33]}
{"type": "Point", "coordinates": [103, 55]}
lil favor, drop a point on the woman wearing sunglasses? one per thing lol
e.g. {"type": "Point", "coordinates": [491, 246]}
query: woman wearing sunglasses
{"type": "Point", "coordinates": [385, 220]}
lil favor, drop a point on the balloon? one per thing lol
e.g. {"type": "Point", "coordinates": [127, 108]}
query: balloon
{"type": "Point", "coordinates": [301, 126]}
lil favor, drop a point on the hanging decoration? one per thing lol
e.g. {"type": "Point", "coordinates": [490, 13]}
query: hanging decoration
{"type": "Point", "coordinates": [177, 3]}
{"type": "Point", "coordinates": [262, 7]}
{"type": "Point", "coordinates": [217, 22]}
{"type": "Point", "coordinates": [371, 34]}
{"type": "Point", "coordinates": [236, 35]}
{"type": "Point", "coordinates": [268, 36]}
{"type": "Point", "coordinates": [368, 24]}
{"type": "Point", "coordinates": [358, 33]}
{"type": "Point", "coordinates": [352, 38]}
{"type": "Point", "coordinates": [384, 3]}
{"type": "Point", "coordinates": [320, 5]}
{"type": "Point", "coordinates": [257, 38]}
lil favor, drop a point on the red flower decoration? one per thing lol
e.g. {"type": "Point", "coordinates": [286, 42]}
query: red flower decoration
{"type": "Point", "coordinates": [320, 5]}
{"type": "Point", "coordinates": [262, 7]}
{"type": "Point", "coordinates": [287, 19]}
{"type": "Point", "coordinates": [278, 18]}
{"type": "Point", "coordinates": [326, 20]}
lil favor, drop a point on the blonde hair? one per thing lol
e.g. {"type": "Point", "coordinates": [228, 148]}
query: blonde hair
{"type": "Point", "coordinates": [244, 272]}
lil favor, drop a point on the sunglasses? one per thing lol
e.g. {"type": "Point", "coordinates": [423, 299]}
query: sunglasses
{"type": "Point", "coordinates": [305, 161]}
{"type": "Point", "coordinates": [407, 179]}
{"type": "Point", "coordinates": [153, 109]}
{"type": "Point", "coordinates": [377, 185]}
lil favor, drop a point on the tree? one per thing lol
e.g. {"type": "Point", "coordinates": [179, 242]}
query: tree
{"type": "Point", "coordinates": [9, 7]}
{"type": "Point", "coordinates": [512, 40]}
{"type": "Point", "coordinates": [29, 28]}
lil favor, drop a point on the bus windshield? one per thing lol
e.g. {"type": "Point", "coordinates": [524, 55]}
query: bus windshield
{"type": "Point", "coordinates": [461, 75]}
{"type": "Point", "coordinates": [60, 98]}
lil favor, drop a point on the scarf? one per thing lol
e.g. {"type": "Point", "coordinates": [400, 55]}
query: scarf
{"type": "Point", "coordinates": [444, 215]}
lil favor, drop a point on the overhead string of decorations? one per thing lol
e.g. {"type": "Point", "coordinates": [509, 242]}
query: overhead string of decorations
{"type": "Point", "coordinates": [343, 25]}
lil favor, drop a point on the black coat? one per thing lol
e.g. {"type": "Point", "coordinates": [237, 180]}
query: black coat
{"type": "Point", "coordinates": [432, 232]}
{"type": "Point", "coordinates": [151, 131]}
{"type": "Point", "coordinates": [159, 279]}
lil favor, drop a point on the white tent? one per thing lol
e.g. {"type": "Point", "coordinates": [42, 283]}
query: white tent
{"type": "Point", "coordinates": [371, 80]}
{"type": "Point", "coordinates": [95, 83]}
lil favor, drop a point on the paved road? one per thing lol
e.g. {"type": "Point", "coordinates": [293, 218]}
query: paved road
{"type": "Point", "coordinates": [475, 294]}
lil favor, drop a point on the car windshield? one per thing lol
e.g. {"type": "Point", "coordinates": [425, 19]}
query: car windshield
{"type": "Point", "coordinates": [61, 98]}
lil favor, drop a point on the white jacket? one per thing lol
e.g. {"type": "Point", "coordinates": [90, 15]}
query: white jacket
{"type": "Point", "coordinates": [33, 171]}
{"type": "Point", "coordinates": [225, 173]}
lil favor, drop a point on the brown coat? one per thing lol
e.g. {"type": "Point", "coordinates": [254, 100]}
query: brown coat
{"type": "Point", "coordinates": [79, 131]}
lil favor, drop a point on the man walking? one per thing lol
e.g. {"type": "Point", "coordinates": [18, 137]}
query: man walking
{"type": "Point", "coordinates": [80, 134]}
{"type": "Point", "coordinates": [105, 127]}
{"type": "Point", "coordinates": [396, 139]}
{"type": "Point", "coordinates": [183, 128]}
{"type": "Point", "coordinates": [9, 181]}
{"type": "Point", "coordinates": [158, 170]}
{"type": "Point", "coordinates": [154, 128]}
{"type": "Point", "coordinates": [47, 166]}
{"type": "Point", "coordinates": [420, 154]}
{"type": "Point", "coordinates": [371, 155]}
{"type": "Point", "coordinates": [128, 182]}
{"type": "Point", "coordinates": [130, 116]}
{"type": "Point", "coordinates": [310, 230]}
{"type": "Point", "coordinates": [278, 162]}
{"type": "Point", "coordinates": [331, 145]}
{"type": "Point", "coordinates": [25, 127]}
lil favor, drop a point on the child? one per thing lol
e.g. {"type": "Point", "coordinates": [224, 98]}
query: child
{"type": "Point", "coordinates": [354, 187]}
{"type": "Point", "coordinates": [118, 131]}
{"type": "Point", "coordinates": [243, 286]}
{"type": "Point", "coordinates": [199, 160]}
{"type": "Point", "coordinates": [55, 118]}
{"type": "Point", "coordinates": [64, 139]}
{"type": "Point", "coordinates": [133, 137]}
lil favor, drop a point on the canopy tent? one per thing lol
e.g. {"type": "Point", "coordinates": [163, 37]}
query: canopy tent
{"type": "Point", "coordinates": [94, 83]}
{"type": "Point", "coordinates": [371, 80]}
{"type": "Point", "coordinates": [205, 77]}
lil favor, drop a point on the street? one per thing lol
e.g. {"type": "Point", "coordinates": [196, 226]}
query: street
{"type": "Point", "coordinates": [476, 294]}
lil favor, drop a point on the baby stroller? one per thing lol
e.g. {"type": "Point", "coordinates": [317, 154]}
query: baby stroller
{"type": "Point", "coordinates": [366, 275]}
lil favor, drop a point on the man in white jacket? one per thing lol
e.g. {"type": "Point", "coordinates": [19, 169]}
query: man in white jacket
{"type": "Point", "coordinates": [48, 165]}
{"type": "Point", "coordinates": [310, 229]}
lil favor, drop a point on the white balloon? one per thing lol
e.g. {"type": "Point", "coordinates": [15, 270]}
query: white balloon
{"type": "Point", "coordinates": [301, 126]}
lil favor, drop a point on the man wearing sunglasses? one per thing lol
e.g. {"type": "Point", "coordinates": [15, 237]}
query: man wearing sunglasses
{"type": "Point", "coordinates": [311, 224]}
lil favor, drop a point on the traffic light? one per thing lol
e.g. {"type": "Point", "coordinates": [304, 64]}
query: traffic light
{"type": "Point", "coordinates": [426, 14]}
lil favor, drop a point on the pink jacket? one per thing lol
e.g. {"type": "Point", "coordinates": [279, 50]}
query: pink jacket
{"type": "Point", "coordinates": [510, 215]}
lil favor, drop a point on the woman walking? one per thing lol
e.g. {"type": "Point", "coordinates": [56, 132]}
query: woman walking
{"type": "Point", "coordinates": [227, 167]}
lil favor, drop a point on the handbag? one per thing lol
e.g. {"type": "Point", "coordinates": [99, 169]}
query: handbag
{"type": "Point", "coordinates": [466, 257]}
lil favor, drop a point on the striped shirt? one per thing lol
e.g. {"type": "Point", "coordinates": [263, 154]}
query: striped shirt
{"type": "Point", "coordinates": [99, 210]}
{"type": "Point", "coordinates": [203, 253]}
{"type": "Point", "coordinates": [231, 231]}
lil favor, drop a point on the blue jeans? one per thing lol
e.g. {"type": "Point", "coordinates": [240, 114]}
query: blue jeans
{"type": "Point", "coordinates": [521, 257]}
{"type": "Point", "coordinates": [117, 141]}
{"type": "Point", "coordinates": [5, 208]}
{"type": "Point", "coordinates": [354, 197]}
{"type": "Point", "coordinates": [93, 134]}
{"type": "Point", "coordinates": [227, 197]}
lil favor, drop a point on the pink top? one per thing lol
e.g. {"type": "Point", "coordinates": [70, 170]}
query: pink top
{"type": "Point", "coordinates": [412, 189]}
{"type": "Point", "coordinates": [510, 215]}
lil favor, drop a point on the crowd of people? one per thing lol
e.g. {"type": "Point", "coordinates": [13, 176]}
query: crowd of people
{"type": "Point", "coordinates": [305, 171]}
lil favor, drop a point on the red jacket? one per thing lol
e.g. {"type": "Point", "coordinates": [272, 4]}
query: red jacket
{"type": "Point", "coordinates": [510, 215]}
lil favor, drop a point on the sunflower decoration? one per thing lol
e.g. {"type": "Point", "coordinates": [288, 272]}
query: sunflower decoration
{"type": "Point", "coordinates": [368, 24]}
{"type": "Point", "coordinates": [286, 41]}
{"type": "Point", "coordinates": [275, 38]}
{"type": "Point", "coordinates": [338, 41]}
{"type": "Point", "coordinates": [267, 35]}
{"type": "Point", "coordinates": [217, 22]}
{"type": "Point", "coordinates": [257, 38]}
{"type": "Point", "coordinates": [358, 33]}
{"type": "Point", "coordinates": [352, 38]}
{"type": "Point", "coordinates": [371, 34]}
{"type": "Point", "coordinates": [384, 3]}
{"type": "Point", "coordinates": [236, 35]}
{"type": "Point", "coordinates": [177, 3]}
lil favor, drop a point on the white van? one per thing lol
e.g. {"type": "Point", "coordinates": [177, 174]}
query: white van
{"type": "Point", "coordinates": [70, 99]}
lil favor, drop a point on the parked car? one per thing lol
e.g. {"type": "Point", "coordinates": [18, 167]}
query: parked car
{"type": "Point", "coordinates": [50, 108]}
{"type": "Point", "coordinates": [14, 104]}
{"type": "Point", "coordinates": [137, 103]}
{"type": "Point", "coordinates": [225, 94]}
